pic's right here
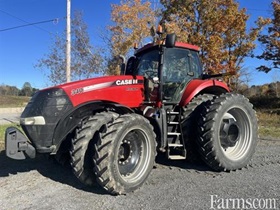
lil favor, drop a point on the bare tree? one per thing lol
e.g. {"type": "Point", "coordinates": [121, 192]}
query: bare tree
{"type": "Point", "coordinates": [86, 59]}
{"type": "Point", "coordinates": [276, 81]}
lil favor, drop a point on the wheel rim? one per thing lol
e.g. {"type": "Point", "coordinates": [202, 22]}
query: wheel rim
{"type": "Point", "coordinates": [133, 155]}
{"type": "Point", "coordinates": [235, 134]}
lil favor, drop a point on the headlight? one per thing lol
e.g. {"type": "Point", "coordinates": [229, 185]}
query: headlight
{"type": "Point", "coordinates": [38, 120]}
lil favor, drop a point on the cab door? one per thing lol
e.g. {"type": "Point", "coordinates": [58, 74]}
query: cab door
{"type": "Point", "coordinates": [180, 66]}
{"type": "Point", "coordinates": [147, 65]}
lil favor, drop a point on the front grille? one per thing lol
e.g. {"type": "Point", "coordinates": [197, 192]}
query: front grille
{"type": "Point", "coordinates": [52, 104]}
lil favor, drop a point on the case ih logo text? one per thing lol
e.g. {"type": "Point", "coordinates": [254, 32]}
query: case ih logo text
{"type": "Point", "coordinates": [127, 82]}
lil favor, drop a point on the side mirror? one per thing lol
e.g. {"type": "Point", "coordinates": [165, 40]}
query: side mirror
{"type": "Point", "coordinates": [130, 66]}
{"type": "Point", "coordinates": [122, 64]}
{"type": "Point", "coordinates": [152, 31]}
{"type": "Point", "coordinates": [170, 40]}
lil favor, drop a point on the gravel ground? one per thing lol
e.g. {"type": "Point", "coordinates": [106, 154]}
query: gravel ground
{"type": "Point", "coordinates": [41, 184]}
{"type": "Point", "coordinates": [9, 119]}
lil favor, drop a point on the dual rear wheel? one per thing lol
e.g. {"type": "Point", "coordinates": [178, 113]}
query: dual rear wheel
{"type": "Point", "coordinates": [227, 132]}
{"type": "Point", "coordinates": [223, 131]}
{"type": "Point", "coordinates": [119, 151]}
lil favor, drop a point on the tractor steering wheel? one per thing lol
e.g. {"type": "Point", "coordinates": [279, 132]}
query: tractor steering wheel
{"type": "Point", "coordinates": [150, 74]}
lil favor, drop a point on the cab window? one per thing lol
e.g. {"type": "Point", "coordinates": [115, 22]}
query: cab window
{"type": "Point", "coordinates": [148, 63]}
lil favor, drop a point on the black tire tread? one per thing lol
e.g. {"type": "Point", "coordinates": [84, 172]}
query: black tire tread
{"type": "Point", "coordinates": [103, 148]}
{"type": "Point", "coordinates": [81, 143]}
{"type": "Point", "coordinates": [206, 137]}
{"type": "Point", "coordinates": [190, 113]}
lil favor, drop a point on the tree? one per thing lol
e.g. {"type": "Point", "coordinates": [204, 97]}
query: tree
{"type": "Point", "coordinates": [26, 89]}
{"type": "Point", "coordinates": [241, 83]}
{"type": "Point", "coordinates": [271, 40]}
{"type": "Point", "coordinates": [132, 22]}
{"type": "Point", "coordinates": [8, 90]}
{"type": "Point", "coordinates": [86, 60]}
{"type": "Point", "coordinates": [276, 80]}
{"type": "Point", "coordinates": [218, 27]}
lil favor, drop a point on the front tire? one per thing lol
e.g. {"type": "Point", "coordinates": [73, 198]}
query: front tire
{"type": "Point", "coordinates": [81, 152]}
{"type": "Point", "coordinates": [125, 154]}
{"type": "Point", "coordinates": [227, 132]}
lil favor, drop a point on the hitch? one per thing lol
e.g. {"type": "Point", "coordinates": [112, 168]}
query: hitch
{"type": "Point", "coordinates": [17, 145]}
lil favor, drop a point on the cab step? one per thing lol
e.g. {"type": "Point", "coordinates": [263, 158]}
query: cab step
{"type": "Point", "coordinates": [173, 134]}
{"type": "Point", "coordinates": [176, 157]}
{"type": "Point", "coordinates": [173, 113]}
{"type": "Point", "coordinates": [173, 123]}
{"type": "Point", "coordinates": [176, 151]}
{"type": "Point", "coordinates": [175, 145]}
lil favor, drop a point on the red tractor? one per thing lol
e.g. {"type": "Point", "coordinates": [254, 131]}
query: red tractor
{"type": "Point", "coordinates": [112, 127]}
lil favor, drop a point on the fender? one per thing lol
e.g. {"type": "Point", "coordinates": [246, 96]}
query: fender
{"type": "Point", "coordinates": [73, 118]}
{"type": "Point", "coordinates": [205, 86]}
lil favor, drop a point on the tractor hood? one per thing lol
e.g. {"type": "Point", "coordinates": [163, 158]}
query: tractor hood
{"type": "Point", "coordinates": [126, 90]}
{"type": "Point", "coordinates": [50, 106]}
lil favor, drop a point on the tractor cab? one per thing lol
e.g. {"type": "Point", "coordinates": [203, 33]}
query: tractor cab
{"type": "Point", "coordinates": [167, 68]}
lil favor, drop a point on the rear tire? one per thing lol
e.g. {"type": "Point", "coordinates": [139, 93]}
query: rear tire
{"type": "Point", "coordinates": [125, 154]}
{"type": "Point", "coordinates": [190, 113]}
{"type": "Point", "coordinates": [82, 146]}
{"type": "Point", "coordinates": [227, 132]}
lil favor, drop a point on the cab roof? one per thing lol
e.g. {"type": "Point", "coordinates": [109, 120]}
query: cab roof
{"type": "Point", "coordinates": [177, 44]}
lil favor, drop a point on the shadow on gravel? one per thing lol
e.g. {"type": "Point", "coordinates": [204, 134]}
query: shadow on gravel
{"type": "Point", "coordinates": [197, 165]}
{"type": "Point", "coordinates": [51, 169]}
{"type": "Point", "coordinates": [46, 167]}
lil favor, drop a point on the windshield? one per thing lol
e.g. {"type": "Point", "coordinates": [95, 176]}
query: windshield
{"type": "Point", "coordinates": [148, 63]}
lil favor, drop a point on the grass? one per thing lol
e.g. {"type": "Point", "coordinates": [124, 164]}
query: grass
{"type": "Point", "coordinates": [13, 101]}
{"type": "Point", "coordinates": [2, 135]}
{"type": "Point", "coordinates": [10, 102]}
{"type": "Point", "coordinates": [269, 125]}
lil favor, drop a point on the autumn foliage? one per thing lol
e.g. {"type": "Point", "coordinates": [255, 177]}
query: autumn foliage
{"type": "Point", "coordinates": [132, 22]}
{"type": "Point", "coordinates": [271, 39]}
{"type": "Point", "coordinates": [218, 27]}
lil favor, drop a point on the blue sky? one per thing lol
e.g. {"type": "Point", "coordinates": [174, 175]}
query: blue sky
{"type": "Point", "coordinates": [21, 48]}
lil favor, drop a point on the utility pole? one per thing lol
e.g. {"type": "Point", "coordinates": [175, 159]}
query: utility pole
{"type": "Point", "coordinates": [68, 42]}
